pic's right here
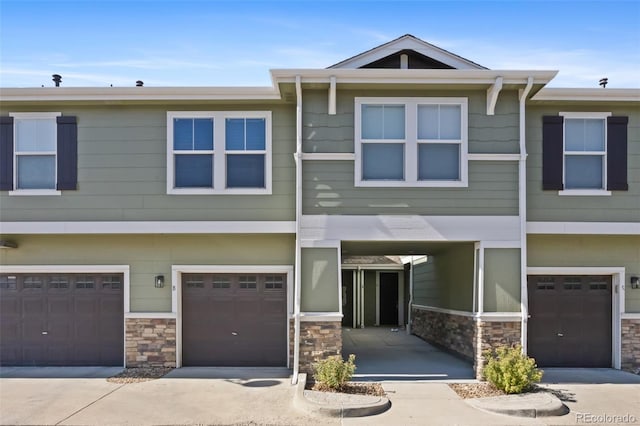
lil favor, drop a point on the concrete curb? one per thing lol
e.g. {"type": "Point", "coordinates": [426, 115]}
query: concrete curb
{"type": "Point", "coordinates": [538, 404]}
{"type": "Point", "coordinates": [339, 405]}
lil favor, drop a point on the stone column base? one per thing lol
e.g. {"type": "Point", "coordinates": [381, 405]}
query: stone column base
{"type": "Point", "coordinates": [318, 340]}
{"type": "Point", "coordinates": [491, 334]}
{"type": "Point", "coordinates": [150, 342]}
{"type": "Point", "coordinates": [630, 354]}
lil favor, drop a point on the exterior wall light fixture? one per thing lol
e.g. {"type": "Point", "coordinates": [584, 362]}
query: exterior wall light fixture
{"type": "Point", "coordinates": [159, 281]}
{"type": "Point", "coordinates": [635, 282]}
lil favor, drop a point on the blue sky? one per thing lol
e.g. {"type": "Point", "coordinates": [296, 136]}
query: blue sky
{"type": "Point", "coordinates": [235, 43]}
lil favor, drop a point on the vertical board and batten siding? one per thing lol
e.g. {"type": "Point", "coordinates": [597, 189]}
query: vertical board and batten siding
{"type": "Point", "coordinates": [589, 251]}
{"type": "Point", "coordinates": [122, 158]}
{"type": "Point", "coordinates": [328, 186]}
{"type": "Point", "coordinates": [548, 206]}
{"type": "Point", "coordinates": [151, 255]}
{"type": "Point", "coordinates": [502, 280]}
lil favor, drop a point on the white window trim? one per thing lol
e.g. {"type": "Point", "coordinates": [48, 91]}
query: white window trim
{"type": "Point", "coordinates": [33, 116]}
{"type": "Point", "coordinates": [411, 141]}
{"type": "Point", "coordinates": [585, 192]}
{"type": "Point", "coordinates": [219, 153]}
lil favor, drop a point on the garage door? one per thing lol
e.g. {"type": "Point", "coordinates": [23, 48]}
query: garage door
{"type": "Point", "coordinates": [61, 319]}
{"type": "Point", "coordinates": [234, 320]}
{"type": "Point", "coordinates": [570, 320]}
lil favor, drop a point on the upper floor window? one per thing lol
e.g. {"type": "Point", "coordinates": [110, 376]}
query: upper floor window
{"type": "Point", "coordinates": [219, 152]}
{"type": "Point", "coordinates": [585, 153]}
{"type": "Point", "coordinates": [411, 141]}
{"type": "Point", "coordinates": [39, 153]}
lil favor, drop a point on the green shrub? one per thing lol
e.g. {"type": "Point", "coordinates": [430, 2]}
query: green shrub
{"type": "Point", "coordinates": [511, 371]}
{"type": "Point", "coordinates": [333, 372]}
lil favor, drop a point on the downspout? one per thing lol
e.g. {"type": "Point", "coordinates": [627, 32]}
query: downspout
{"type": "Point", "coordinates": [297, 273]}
{"type": "Point", "coordinates": [522, 208]}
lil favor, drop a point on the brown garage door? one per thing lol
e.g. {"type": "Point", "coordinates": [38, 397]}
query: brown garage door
{"type": "Point", "coordinates": [570, 320]}
{"type": "Point", "coordinates": [61, 319]}
{"type": "Point", "coordinates": [234, 320]}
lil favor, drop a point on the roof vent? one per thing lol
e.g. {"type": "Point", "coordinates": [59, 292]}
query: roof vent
{"type": "Point", "coordinates": [139, 83]}
{"type": "Point", "coordinates": [57, 79]}
{"type": "Point", "coordinates": [603, 82]}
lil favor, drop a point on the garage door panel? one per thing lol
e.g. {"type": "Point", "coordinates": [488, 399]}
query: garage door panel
{"type": "Point", "coordinates": [234, 319]}
{"type": "Point", "coordinates": [570, 320]}
{"type": "Point", "coordinates": [60, 319]}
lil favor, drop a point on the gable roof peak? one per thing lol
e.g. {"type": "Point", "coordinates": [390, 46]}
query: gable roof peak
{"type": "Point", "coordinates": [408, 42]}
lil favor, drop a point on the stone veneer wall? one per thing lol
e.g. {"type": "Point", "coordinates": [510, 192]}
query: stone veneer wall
{"type": "Point", "coordinates": [150, 342]}
{"type": "Point", "coordinates": [318, 340]}
{"type": "Point", "coordinates": [464, 335]}
{"type": "Point", "coordinates": [453, 332]}
{"type": "Point", "coordinates": [491, 334]}
{"type": "Point", "coordinates": [630, 358]}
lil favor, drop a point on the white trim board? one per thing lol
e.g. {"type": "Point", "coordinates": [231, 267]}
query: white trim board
{"type": "Point", "coordinates": [150, 227]}
{"type": "Point", "coordinates": [478, 316]}
{"type": "Point", "coordinates": [584, 228]}
{"type": "Point", "coordinates": [410, 228]}
{"type": "Point", "coordinates": [176, 292]}
{"type": "Point", "coordinates": [74, 269]}
{"type": "Point", "coordinates": [617, 297]}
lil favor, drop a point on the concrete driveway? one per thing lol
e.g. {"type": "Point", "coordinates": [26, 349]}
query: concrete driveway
{"type": "Point", "coordinates": [204, 396]}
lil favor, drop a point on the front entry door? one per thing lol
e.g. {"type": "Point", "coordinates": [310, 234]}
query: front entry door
{"type": "Point", "coordinates": [388, 298]}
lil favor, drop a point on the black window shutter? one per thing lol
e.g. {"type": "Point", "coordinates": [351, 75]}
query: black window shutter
{"type": "Point", "coordinates": [67, 153]}
{"type": "Point", "coordinates": [6, 153]}
{"type": "Point", "coordinates": [617, 153]}
{"type": "Point", "coordinates": [552, 151]}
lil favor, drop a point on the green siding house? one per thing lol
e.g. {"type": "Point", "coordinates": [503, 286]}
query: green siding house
{"type": "Point", "coordinates": [236, 226]}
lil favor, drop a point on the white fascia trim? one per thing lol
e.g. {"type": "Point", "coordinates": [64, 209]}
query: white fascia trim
{"type": "Point", "coordinates": [329, 156]}
{"type": "Point", "coordinates": [139, 93]}
{"type": "Point", "coordinates": [320, 316]}
{"type": "Point", "coordinates": [152, 315]}
{"type": "Point", "coordinates": [584, 228]}
{"type": "Point", "coordinates": [150, 227]}
{"type": "Point", "coordinates": [631, 316]}
{"type": "Point", "coordinates": [411, 76]}
{"type": "Point", "coordinates": [576, 94]}
{"type": "Point", "coordinates": [575, 270]}
{"type": "Point", "coordinates": [493, 157]}
{"type": "Point", "coordinates": [410, 228]}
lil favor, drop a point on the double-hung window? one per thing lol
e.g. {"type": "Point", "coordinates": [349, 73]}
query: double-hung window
{"type": "Point", "coordinates": [219, 152]}
{"type": "Point", "coordinates": [585, 152]}
{"type": "Point", "coordinates": [411, 141]}
{"type": "Point", "coordinates": [38, 153]}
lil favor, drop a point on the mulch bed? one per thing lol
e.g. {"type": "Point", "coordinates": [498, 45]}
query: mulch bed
{"type": "Point", "coordinates": [136, 375]}
{"type": "Point", "coordinates": [374, 389]}
{"type": "Point", "coordinates": [475, 390]}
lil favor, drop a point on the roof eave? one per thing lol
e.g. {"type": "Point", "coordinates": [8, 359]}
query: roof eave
{"type": "Point", "coordinates": [587, 95]}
